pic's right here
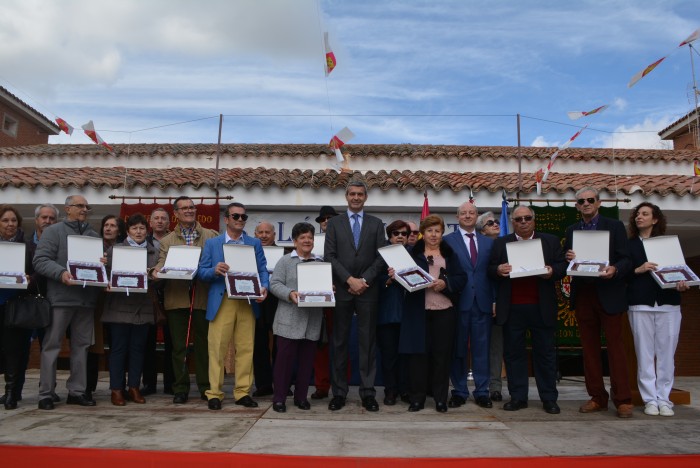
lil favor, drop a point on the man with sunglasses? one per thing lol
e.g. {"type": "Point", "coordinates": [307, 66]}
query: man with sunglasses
{"type": "Point", "coordinates": [71, 306]}
{"type": "Point", "coordinates": [231, 320]}
{"type": "Point", "coordinates": [413, 234]}
{"type": "Point", "coordinates": [600, 303]}
{"type": "Point", "coordinates": [179, 304]}
{"type": "Point", "coordinates": [528, 303]}
{"type": "Point", "coordinates": [475, 310]}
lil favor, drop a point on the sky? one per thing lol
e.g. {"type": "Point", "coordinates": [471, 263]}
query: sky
{"type": "Point", "coordinates": [437, 72]}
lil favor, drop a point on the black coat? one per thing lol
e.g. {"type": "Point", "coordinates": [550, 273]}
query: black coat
{"type": "Point", "coordinates": [412, 337]}
{"type": "Point", "coordinates": [643, 289]}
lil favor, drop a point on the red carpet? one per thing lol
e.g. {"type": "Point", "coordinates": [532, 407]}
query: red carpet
{"type": "Point", "coordinates": [22, 456]}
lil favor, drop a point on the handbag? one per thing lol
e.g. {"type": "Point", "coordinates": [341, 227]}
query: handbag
{"type": "Point", "coordinates": [32, 311]}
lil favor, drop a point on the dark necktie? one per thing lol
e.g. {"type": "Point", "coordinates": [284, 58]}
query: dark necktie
{"type": "Point", "coordinates": [472, 248]}
{"type": "Point", "coordinates": [356, 229]}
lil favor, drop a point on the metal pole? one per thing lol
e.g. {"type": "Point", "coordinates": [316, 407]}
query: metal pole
{"type": "Point", "coordinates": [218, 156]}
{"type": "Point", "coordinates": [520, 163]}
{"type": "Point", "coordinates": [695, 95]}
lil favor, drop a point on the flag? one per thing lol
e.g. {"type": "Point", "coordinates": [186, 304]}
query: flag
{"type": "Point", "coordinates": [539, 178]}
{"type": "Point", "coordinates": [504, 216]}
{"type": "Point", "coordinates": [472, 200]}
{"type": "Point", "coordinates": [644, 72]}
{"type": "Point", "coordinates": [696, 168]}
{"type": "Point", "coordinates": [89, 129]}
{"type": "Point", "coordinates": [578, 115]}
{"type": "Point", "coordinates": [63, 125]}
{"type": "Point", "coordinates": [339, 140]}
{"type": "Point", "coordinates": [330, 56]}
{"type": "Point", "coordinates": [690, 38]}
{"type": "Point", "coordinates": [556, 153]}
{"type": "Point", "coordinates": [426, 208]}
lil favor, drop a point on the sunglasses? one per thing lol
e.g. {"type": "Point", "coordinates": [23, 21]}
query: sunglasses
{"type": "Point", "coordinates": [521, 219]}
{"type": "Point", "coordinates": [590, 200]}
{"type": "Point", "coordinates": [399, 233]}
{"type": "Point", "coordinates": [415, 233]}
{"type": "Point", "coordinates": [491, 222]}
{"type": "Point", "coordinates": [237, 216]}
{"type": "Point", "coordinates": [431, 260]}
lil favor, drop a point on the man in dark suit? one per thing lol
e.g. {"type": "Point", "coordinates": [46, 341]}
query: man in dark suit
{"type": "Point", "coordinates": [524, 303]}
{"type": "Point", "coordinates": [475, 310]}
{"type": "Point", "coordinates": [352, 240]}
{"type": "Point", "coordinates": [601, 302]}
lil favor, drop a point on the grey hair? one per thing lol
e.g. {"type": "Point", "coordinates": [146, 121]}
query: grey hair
{"type": "Point", "coordinates": [529, 208]}
{"type": "Point", "coordinates": [47, 205]}
{"type": "Point", "coordinates": [481, 220]}
{"type": "Point", "coordinates": [355, 183]}
{"type": "Point", "coordinates": [588, 189]}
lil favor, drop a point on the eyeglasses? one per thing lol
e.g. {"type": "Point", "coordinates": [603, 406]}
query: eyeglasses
{"type": "Point", "coordinates": [399, 233]}
{"type": "Point", "coordinates": [590, 200]}
{"type": "Point", "coordinates": [237, 216]}
{"type": "Point", "coordinates": [521, 219]}
{"type": "Point", "coordinates": [187, 208]}
{"type": "Point", "coordinates": [415, 233]}
{"type": "Point", "coordinates": [80, 206]}
{"type": "Point", "coordinates": [431, 260]}
{"type": "Point", "coordinates": [491, 222]}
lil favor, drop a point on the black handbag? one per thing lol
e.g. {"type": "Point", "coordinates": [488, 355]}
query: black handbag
{"type": "Point", "coordinates": [32, 311]}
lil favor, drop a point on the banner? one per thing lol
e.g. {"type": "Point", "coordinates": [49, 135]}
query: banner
{"type": "Point", "coordinates": [208, 216]}
{"type": "Point", "coordinates": [555, 220]}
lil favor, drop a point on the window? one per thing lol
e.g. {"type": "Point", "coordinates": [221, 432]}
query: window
{"type": "Point", "coordinates": [9, 125]}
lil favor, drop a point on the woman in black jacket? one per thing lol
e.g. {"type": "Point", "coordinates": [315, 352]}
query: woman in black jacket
{"type": "Point", "coordinates": [654, 314]}
{"type": "Point", "coordinates": [429, 318]}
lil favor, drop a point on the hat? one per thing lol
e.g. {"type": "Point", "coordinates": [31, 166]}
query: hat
{"type": "Point", "coordinates": [326, 212]}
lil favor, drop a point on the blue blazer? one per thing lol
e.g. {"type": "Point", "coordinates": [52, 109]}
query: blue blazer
{"type": "Point", "coordinates": [479, 292]}
{"type": "Point", "coordinates": [214, 253]}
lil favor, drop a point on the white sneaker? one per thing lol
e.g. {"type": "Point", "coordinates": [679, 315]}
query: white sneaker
{"type": "Point", "coordinates": [666, 411]}
{"type": "Point", "coordinates": [651, 409]}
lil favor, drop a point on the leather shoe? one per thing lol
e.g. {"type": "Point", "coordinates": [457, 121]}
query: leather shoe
{"type": "Point", "coordinates": [180, 398]}
{"type": "Point", "coordinates": [551, 407]}
{"type": "Point", "coordinates": [591, 406]}
{"type": "Point", "coordinates": [456, 401]}
{"type": "Point", "coordinates": [405, 398]}
{"type": "Point", "coordinates": [625, 410]}
{"type": "Point", "coordinates": [135, 395]}
{"type": "Point", "coordinates": [370, 404]}
{"type": "Point", "coordinates": [415, 406]}
{"type": "Point", "coordinates": [118, 398]}
{"type": "Point", "coordinates": [214, 404]}
{"type": "Point", "coordinates": [441, 407]}
{"type": "Point", "coordinates": [303, 405]}
{"type": "Point", "coordinates": [515, 405]}
{"type": "Point", "coordinates": [496, 396]}
{"type": "Point", "coordinates": [148, 390]}
{"type": "Point", "coordinates": [81, 400]}
{"type": "Point", "coordinates": [247, 401]}
{"type": "Point", "coordinates": [10, 402]}
{"type": "Point", "coordinates": [336, 403]}
{"type": "Point", "coordinates": [484, 402]}
{"type": "Point", "coordinates": [390, 400]}
{"type": "Point", "coordinates": [263, 391]}
{"type": "Point", "coordinates": [319, 395]}
{"type": "Point", "coordinates": [279, 407]}
{"type": "Point", "coordinates": [55, 398]}
{"type": "Point", "coordinates": [46, 404]}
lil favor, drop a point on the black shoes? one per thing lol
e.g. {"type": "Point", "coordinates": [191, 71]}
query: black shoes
{"type": "Point", "coordinates": [336, 403]}
{"type": "Point", "coordinates": [262, 391]}
{"type": "Point", "coordinates": [390, 400]}
{"type": "Point", "coordinates": [515, 405]}
{"type": "Point", "coordinates": [279, 407]}
{"type": "Point", "coordinates": [484, 402]}
{"type": "Point", "coordinates": [214, 404]}
{"type": "Point", "coordinates": [551, 407]}
{"type": "Point", "coordinates": [247, 401]}
{"type": "Point", "coordinates": [496, 396]}
{"type": "Point", "coordinates": [81, 400]}
{"type": "Point", "coordinates": [370, 404]}
{"type": "Point", "coordinates": [440, 407]}
{"type": "Point", "coordinates": [180, 398]}
{"type": "Point", "coordinates": [319, 395]}
{"type": "Point", "coordinates": [46, 404]}
{"type": "Point", "coordinates": [456, 401]}
{"type": "Point", "coordinates": [303, 405]}
{"type": "Point", "coordinates": [415, 406]}
{"type": "Point", "coordinates": [10, 402]}
{"type": "Point", "coordinates": [148, 390]}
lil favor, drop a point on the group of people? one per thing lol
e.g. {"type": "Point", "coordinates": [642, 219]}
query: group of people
{"type": "Point", "coordinates": [473, 315]}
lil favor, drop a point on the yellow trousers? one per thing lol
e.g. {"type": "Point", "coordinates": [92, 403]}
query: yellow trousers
{"type": "Point", "coordinates": [234, 321]}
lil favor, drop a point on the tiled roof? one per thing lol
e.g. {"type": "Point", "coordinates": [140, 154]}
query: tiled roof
{"type": "Point", "coordinates": [355, 151]}
{"type": "Point", "coordinates": [112, 178]}
{"type": "Point", "coordinates": [29, 109]}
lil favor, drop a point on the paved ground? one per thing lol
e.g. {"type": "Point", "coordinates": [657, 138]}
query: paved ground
{"type": "Point", "coordinates": [469, 431]}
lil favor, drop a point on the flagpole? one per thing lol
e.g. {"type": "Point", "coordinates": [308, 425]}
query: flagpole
{"type": "Point", "coordinates": [520, 163]}
{"type": "Point", "coordinates": [695, 95]}
{"type": "Point", "coordinates": [218, 156]}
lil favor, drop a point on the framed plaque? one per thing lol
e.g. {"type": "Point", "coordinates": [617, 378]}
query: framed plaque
{"type": "Point", "coordinates": [181, 262]}
{"type": "Point", "coordinates": [315, 284]}
{"type": "Point", "coordinates": [84, 254]}
{"type": "Point", "coordinates": [526, 257]}
{"type": "Point", "coordinates": [129, 270]}
{"type": "Point", "coordinates": [666, 252]}
{"type": "Point", "coordinates": [591, 249]}
{"type": "Point", "coordinates": [406, 272]}
{"type": "Point", "coordinates": [272, 256]}
{"type": "Point", "coordinates": [242, 279]}
{"type": "Point", "coordinates": [12, 274]}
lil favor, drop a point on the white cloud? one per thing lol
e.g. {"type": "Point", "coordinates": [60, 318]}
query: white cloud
{"type": "Point", "coordinates": [542, 143]}
{"type": "Point", "coordinates": [642, 135]}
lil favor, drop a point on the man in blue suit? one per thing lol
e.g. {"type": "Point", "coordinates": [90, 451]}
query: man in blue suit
{"type": "Point", "coordinates": [476, 308]}
{"type": "Point", "coordinates": [230, 319]}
